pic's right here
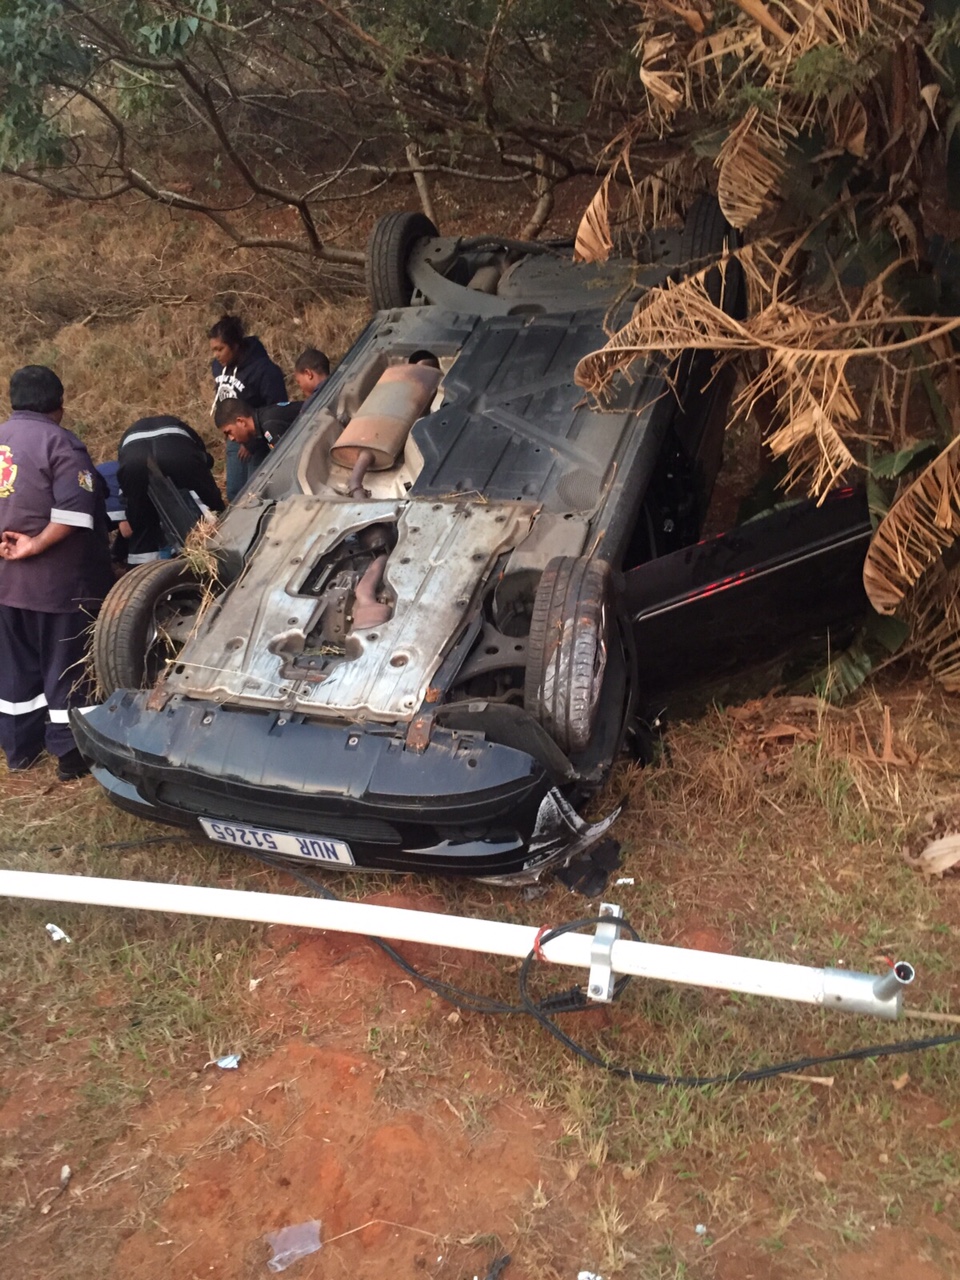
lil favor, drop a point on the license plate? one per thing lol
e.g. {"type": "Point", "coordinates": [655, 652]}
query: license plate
{"type": "Point", "coordinates": [291, 845]}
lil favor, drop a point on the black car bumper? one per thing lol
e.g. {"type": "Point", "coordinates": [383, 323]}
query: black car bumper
{"type": "Point", "coordinates": [462, 805]}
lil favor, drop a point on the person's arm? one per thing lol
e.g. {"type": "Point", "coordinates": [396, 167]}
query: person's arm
{"type": "Point", "coordinates": [21, 546]}
{"type": "Point", "coordinates": [198, 477]}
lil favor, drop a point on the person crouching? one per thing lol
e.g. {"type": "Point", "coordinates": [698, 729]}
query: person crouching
{"type": "Point", "coordinates": [181, 455]}
{"type": "Point", "coordinates": [256, 431]}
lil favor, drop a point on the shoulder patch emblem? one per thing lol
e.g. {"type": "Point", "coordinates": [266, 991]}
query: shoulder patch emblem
{"type": "Point", "coordinates": [8, 471]}
{"type": "Point", "coordinates": [85, 480]}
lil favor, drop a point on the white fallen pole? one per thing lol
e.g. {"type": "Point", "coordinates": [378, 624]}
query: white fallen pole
{"type": "Point", "coordinates": [831, 988]}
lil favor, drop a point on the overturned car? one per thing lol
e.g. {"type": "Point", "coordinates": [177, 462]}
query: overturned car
{"type": "Point", "coordinates": [430, 615]}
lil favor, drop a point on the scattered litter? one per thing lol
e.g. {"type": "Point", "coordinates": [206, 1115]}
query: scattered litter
{"type": "Point", "coordinates": [624, 880]}
{"type": "Point", "coordinates": [497, 1267]}
{"type": "Point", "coordinates": [66, 1173]}
{"type": "Point", "coordinates": [290, 1244]}
{"type": "Point", "coordinates": [588, 1275]}
{"type": "Point", "coordinates": [901, 1082]}
{"type": "Point", "coordinates": [534, 891]}
{"type": "Point", "coordinates": [253, 984]}
{"type": "Point", "coordinates": [826, 1081]}
{"type": "Point", "coordinates": [588, 873]}
{"type": "Point", "coordinates": [700, 1229]}
{"type": "Point", "coordinates": [56, 933]}
{"type": "Point", "coordinates": [229, 1062]}
{"type": "Point", "coordinates": [936, 859]}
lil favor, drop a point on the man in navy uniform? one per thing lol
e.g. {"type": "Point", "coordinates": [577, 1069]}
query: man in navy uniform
{"type": "Point", "coordinates": [54, 573]}
{"type": "Point", "coordinates": [181, 455]}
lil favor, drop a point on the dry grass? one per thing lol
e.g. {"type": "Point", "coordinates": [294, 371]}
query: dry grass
{"type": "Point", "coordinates": [120, 307]}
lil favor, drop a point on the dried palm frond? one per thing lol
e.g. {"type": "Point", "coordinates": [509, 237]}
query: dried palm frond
{"type": "Point", "coordinates": [655, 198]}
{"type": "Point", "coordinates": [670, 319]}
{"type": "Point", "coordinates": [594, 240]}
{"type": "Point", "coordinates": [663, 81]}
{"type": "Point", "coordinates": [848, 122]}
{"type": "Point", "coordinates": [933, 612]}
{"type": "Point", "coordinates": [759, 12]}
{"type": "Point", "coordinates": [842, 22]}
{"type": "Point", "coordinates": [919, 527]}
{"type": "Point", "coordinates": [818, 409]}
{"type": "Point", "coordinates": [720, 61]}
{"type": "Point", "coordinates": [805, 358]}
{"type": "Point", "coordinates": [625, 204]}
{"type": "Point", "coordinates": [750, 166]}
{"type": "Point", "coordinates": [695, 15]}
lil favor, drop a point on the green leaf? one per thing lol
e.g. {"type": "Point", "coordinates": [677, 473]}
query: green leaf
{"type": "Point", "coordinates": [878, 639]}
{"type": "Point", "coordinates": [914, 456]}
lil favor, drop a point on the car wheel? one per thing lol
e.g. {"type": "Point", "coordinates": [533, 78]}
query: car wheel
{"type": "Point", "coordinates": [567, 649]}
{"type": "Point", "coordinates": [143, 623]}
{"type": "Point", "coordinates": [706, 233]}
{"type": "Point", "coordinates": [388, 249]}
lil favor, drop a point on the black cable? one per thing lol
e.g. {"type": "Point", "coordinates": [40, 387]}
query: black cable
{"type": "Point", "coordinates": [113, 844]}
{"type": "Point", "coordinates": [540, 1010]}
{"type": "Point", "coordinates": [698, 1082]}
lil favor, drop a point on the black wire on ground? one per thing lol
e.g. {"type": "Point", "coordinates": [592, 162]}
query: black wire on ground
{"type": "Point", "coordinates": [699, 1082]}
{"type": "Point", "coordinates": [575, 1001]}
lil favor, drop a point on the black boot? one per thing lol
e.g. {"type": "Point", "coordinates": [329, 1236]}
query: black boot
{"type": "Point", "coordinates": [72, 766]}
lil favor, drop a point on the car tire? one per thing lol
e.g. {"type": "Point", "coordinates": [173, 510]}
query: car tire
{"type": "Point", "coordinates": [705, 235]}
{"type": "Point", "coordinates": [132, 637]}
{"type": "Point", "coordinates": [388, 250]}
{"type": "Point", "coordinates": [567, 649]}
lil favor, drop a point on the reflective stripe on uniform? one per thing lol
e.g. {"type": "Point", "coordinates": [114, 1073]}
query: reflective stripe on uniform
{"type": "Point", "coordinates": [78, 519]}
{"type": "Point", "coordinates": [21, 708]}
{"type": "Point", "coordinates": [143, 557]}
{"type": "Point", "coordinates": [152, 435]}
{"type": "Point", "coordinates": [63, 717]}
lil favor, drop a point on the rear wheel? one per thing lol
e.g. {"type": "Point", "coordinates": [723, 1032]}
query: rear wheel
{"type": "Point", "coordinates": [567, 649]}
{"type": "Point", "coordinates": [144, 623]}
{"type": "Point", "coordinates": [388, 250]}
{"type": "Point", "coordinates": [706, 233]}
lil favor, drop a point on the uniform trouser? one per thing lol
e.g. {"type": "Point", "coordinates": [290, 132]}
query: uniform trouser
{"type": "Point", "coordinates": [42, 675]}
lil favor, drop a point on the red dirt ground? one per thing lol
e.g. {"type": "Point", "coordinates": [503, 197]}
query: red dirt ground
{"type": "Point", "coordinates": [384, 1153]}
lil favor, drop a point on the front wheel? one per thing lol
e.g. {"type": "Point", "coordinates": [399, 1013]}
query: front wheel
{"type": "Point", "coordinates": [568, 648]}
{"type": "Point", "coordinates": [144, 623]}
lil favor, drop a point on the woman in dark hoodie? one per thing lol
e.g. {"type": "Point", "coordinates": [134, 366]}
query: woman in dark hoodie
{"type": "Point", "coordinates": [242, 370]}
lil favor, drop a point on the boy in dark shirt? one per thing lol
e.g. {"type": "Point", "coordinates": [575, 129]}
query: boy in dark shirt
{"type": "Point", "coordinates": [258, 430]}
{"type": "Point", "coordinates": [311, 371]}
